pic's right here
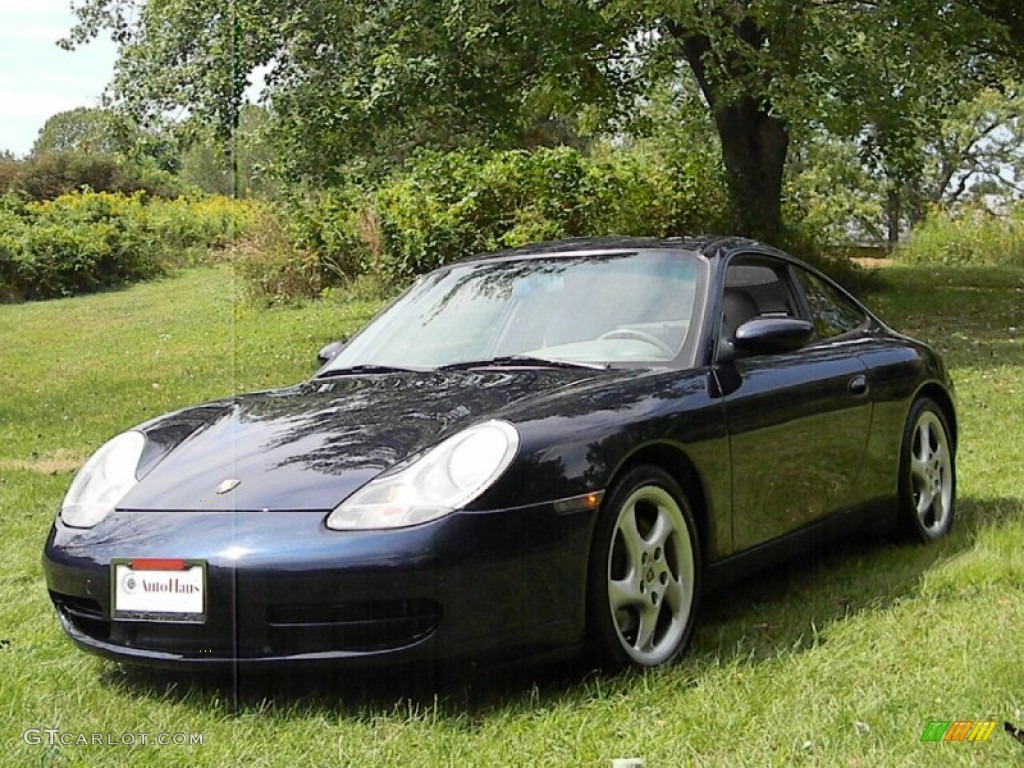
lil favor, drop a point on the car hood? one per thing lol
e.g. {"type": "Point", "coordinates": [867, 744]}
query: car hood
{"type": "Point", "coordinates": [308, 447]}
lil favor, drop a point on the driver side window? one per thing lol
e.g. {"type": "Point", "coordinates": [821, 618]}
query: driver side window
{"type": "Point", "coordinates": [753, 288]}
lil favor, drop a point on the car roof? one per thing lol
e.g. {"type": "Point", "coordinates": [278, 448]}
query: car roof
{"type": "Point", "coordinates": [710, 246]}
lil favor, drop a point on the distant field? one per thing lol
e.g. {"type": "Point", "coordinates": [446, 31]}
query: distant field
{"type": "Point", "coordinates": [841, 660]}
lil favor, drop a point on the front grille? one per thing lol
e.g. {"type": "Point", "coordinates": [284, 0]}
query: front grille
{"type": "Point", "coordinates": [289, 629]}
{"type": "Point", "coordinates": [84, 614]}
{"type": "Point", "coordinates": [365, 626]}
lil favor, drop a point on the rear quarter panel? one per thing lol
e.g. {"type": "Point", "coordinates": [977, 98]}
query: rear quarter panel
{"type": "Point", "coordinates": [898, 369]}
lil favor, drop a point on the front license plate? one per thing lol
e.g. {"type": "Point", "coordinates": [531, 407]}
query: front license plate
{"type": "Point", "coordinates": [158, 590]}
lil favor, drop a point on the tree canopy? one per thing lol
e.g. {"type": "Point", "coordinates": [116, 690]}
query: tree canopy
{"type": "Point", "coordinates": [355, 84]}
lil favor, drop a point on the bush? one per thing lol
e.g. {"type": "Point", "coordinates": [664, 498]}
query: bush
{"type": "Point", "coordinates": [50, 175]}
{"type": "Point", "coordinates": [460, 204]}
{"type": "Point", "coordinates": [273, 268]}
{"type": "Point", "coordinates": [83, 242]}
{"type": "Point", "coordinates": [12, 231]}
{"type": "Point", "coordinates": [970, 236]}
{"type": "Point", "coordinates": [341, 227]}
{"type": "Point", "coordinates": [446, 206]}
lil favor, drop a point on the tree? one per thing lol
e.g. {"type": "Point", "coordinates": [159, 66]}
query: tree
{"type": "Point", "coordinates": [86, 130]}
{"type": "Point", "coordinates": [378, 81]}
{"type": "Point", "coordinates": [844, 187]}
{"type": "Point", "coordinates": [207, 161]}
{"type": "Point", "coordinates": [772, 69]}
{"type": "Point", "coordinates": [194, 56]}
{"type": "Point", "coordinates": [1008, 16]}
{"type": "Point", "coordinates": [371, 81]}
{"type": "Point", "coordinates": [980, 142]}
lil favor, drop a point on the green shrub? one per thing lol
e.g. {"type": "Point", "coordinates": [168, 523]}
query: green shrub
{"type": "Point", "coordinates": [970, 236]}
{"type": "Point", "coordinates": [341, 227]}
{"type": "Point", "coordinates": [446, 206]}
{"type": "Point", "coordinates": [273, 268]}
{"type": "Point", "coordinates": [60, 261]}
{"type": "Point", "coordinates": [50, 175]}
{"type": "Point", "coordinates": [12, 231]}
{"type": "Point", "coordinates": [87, 241]}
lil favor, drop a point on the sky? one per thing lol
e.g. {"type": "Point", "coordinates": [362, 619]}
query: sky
{"type": "Point", "coordinates": [38, 79]}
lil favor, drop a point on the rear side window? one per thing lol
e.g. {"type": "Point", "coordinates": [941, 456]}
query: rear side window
{"type": "Point", "coordinates": [832, 313]}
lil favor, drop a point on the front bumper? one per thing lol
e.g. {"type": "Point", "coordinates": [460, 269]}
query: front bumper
{"type": "Point", "coordinates": [283, 589]}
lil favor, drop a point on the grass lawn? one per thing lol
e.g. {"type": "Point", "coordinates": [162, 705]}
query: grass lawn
{"type": "Point", "coordinates": [839, 660]}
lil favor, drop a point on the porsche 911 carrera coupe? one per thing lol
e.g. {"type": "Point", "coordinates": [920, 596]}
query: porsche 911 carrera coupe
{"type": "Point", "coordinates": [547, 450]}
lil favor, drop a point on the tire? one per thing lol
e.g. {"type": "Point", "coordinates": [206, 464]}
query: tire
{"type": "Point", "coordinates": [644, 573]}
{"type": "Point", "coordinates": [927, 483]}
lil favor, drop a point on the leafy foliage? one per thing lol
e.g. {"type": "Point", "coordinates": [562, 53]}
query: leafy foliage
{"type": "Point", "coordinates": [972, 235]}
{"type": "Point", "coordinates": [208, 162]}
{"type": "Point", "coordinates": [457, 204]}
{"type": "Point", "coordinates": [832, 192]}
{"type": "Point", "coordinates": [84, 242]}
{"type": "Point", "coordinates": [274, 269]}
{"type": "Point", "coordinates": [86, 130]}
{"type": "Point", "coordinates": [365, 85]}
{"type": "Point", "coordinates": [50, 175]}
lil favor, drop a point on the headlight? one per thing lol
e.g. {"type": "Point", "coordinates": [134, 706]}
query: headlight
{"type": "Point", "coordinates": [104, 480]}
{"type": "Point", "coordinates": [447, 477]}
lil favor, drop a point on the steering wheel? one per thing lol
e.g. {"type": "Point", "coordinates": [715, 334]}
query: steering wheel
{"type": "Point", "coordinates": [633, 333]}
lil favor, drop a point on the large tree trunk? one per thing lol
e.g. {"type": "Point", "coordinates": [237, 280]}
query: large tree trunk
{"type": "Point", "coordinates": [754, 141]}
{"type": "Point", "coordinates": [754, 147]}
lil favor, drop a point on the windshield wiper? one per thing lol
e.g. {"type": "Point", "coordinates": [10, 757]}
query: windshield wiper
{"type": "Point", "coordinates": [520, 361]}
{"type": "Point", "coordinates": [353, 370]}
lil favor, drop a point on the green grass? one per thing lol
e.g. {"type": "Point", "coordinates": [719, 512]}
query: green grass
{"type": "Point", "coordinates": [840, 659]}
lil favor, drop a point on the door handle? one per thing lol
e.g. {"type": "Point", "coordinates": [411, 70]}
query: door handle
{"type": "Point", "coordinates": [858, 385]}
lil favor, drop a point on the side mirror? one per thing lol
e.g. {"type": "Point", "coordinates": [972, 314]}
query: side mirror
{"type": "Point", "coordinates": [767, 335]}
{"type": "Point", "coordinates": [330, 351]}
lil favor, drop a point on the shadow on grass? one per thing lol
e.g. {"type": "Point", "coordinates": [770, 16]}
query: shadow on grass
{"type": "Point", "coordinates": [974, 316]}
{"type": "Point", "coordinates": [775, 613]}
{"type": "Point", "coordinates": [790, 607]}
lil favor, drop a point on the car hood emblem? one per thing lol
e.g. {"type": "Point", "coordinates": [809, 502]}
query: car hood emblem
{"type": "Point", "coordinates": [228, 485]}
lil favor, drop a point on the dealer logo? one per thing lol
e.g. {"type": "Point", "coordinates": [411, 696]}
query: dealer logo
{"type": "Point", "coordinates": [128, 583]}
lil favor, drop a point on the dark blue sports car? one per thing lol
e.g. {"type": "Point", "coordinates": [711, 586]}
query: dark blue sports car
{"type": "Point", "coordinates": [538, 451]}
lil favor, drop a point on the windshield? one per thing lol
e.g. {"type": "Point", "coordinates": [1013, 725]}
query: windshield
{"type": "Point", "coordinates": [634, 308]}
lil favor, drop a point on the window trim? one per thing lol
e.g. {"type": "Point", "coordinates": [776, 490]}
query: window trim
{"type": "Point", "coordinates": [865, 322]}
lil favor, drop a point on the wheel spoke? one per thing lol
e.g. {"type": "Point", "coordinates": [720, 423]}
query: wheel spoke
{"type": "Point", "coordinates": [675, 595]}
{"type": "Point", "coordinates": [648, 616]}
{"type": "Point", "coordinates": [624, 593]}
{"type": "Point", "coordinates": [924, 436]}
{"type": "Point", "coordinates": [924, 502]}
{"type": "Point", "coordinates": [661, 531]}
{"type": "Point", "coordinates": [631, 538]}
{"type": "Point", "coordinates": [919, 470]}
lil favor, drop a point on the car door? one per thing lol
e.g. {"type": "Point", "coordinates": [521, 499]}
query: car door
{"type": "Point", "coordinates": [798, 421]}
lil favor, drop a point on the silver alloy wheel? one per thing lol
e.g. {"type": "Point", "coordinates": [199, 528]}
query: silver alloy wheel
{"type": "Point", "coordinates": [651, 576]}
{"type": "Point", "coordinates": [931, 474]}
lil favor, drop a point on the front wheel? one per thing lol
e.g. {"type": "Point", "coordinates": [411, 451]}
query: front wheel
{"type": "Point", "coordinates": [927, 473]}
{"type": "Point", "coordinates": [644, 575]}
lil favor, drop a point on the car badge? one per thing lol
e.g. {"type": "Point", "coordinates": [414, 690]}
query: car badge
{"type": "Point", "coordinates": [228, 485]}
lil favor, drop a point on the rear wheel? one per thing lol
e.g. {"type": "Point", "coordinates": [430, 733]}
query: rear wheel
{"type": "Point", "coordinates": [927, 473]}
{"type": "Point", "coordinates": [644, 575]}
